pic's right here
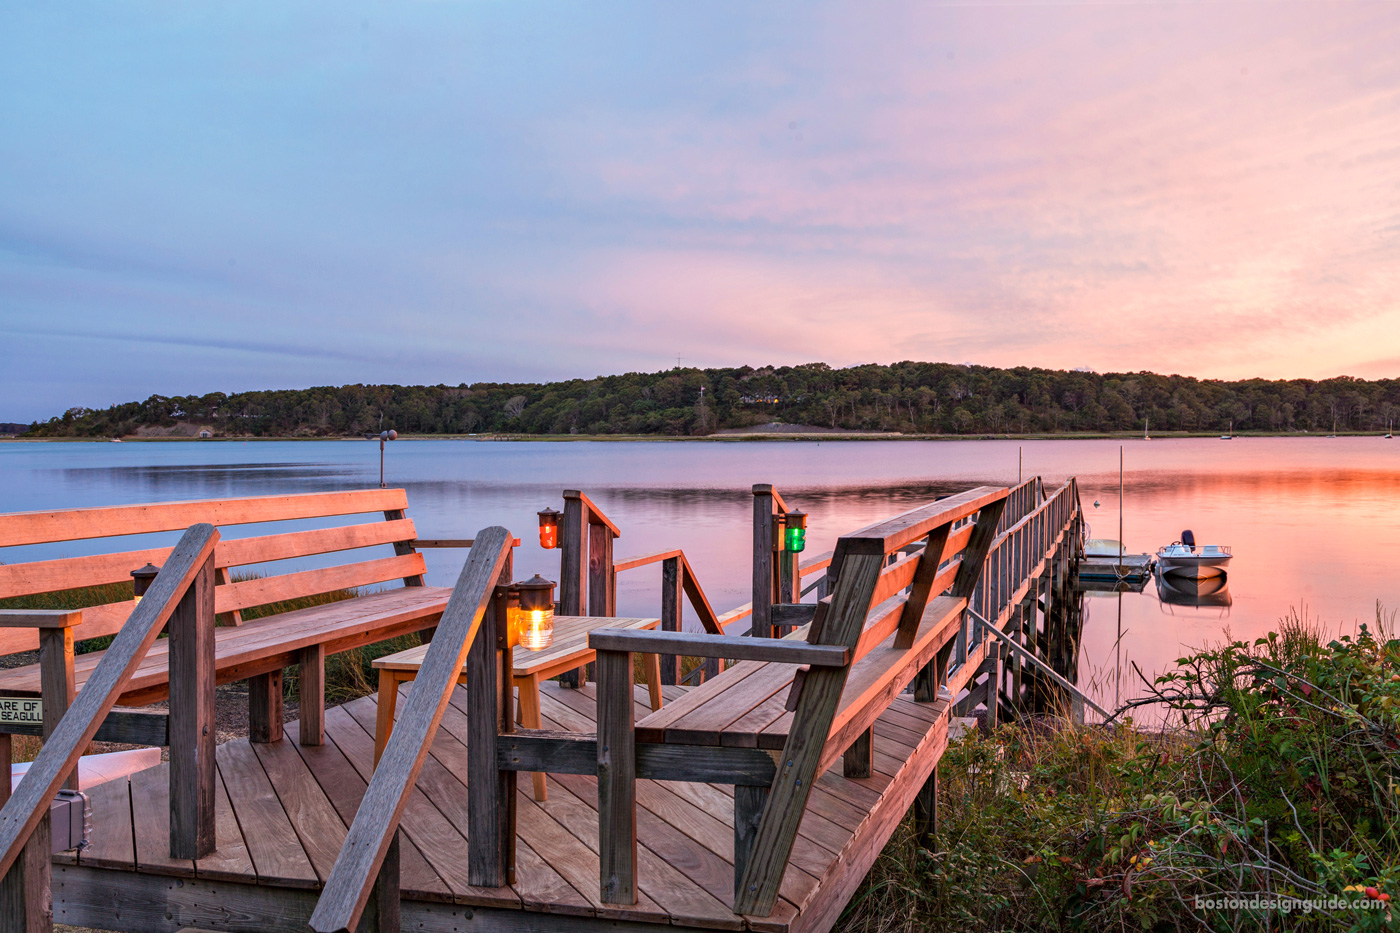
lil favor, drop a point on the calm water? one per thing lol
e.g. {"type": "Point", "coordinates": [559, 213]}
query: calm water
{"type": "Point", "coordinates": [1312, 521]}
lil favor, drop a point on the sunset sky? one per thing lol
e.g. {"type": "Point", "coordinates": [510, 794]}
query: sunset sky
{"type": "Point", "coordinates": [262, 195]}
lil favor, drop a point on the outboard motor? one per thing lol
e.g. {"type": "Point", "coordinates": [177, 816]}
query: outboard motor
{"type": "Point", "coordinates": [1188, 539]}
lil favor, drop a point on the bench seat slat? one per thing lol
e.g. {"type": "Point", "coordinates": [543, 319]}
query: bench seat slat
{"type": "Point", "coordinates": [273, 638]}
{"type": "Point", "coordinates": [67, 573]}
{"type": "Point", "coordinates": [22, 528]}
{"type": "Point", "coordinates": [657, 726]}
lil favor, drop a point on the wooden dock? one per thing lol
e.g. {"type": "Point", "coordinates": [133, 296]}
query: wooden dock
{"type": "Point", "coordinates": [283, 810]}
{"type": "Point", "coordinates": [755, 800]}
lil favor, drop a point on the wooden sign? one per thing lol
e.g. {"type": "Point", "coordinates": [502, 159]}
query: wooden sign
{"type": "Point", "coordinates": [25, 710]}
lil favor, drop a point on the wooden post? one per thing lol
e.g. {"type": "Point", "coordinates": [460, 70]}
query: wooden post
{"type": "Point", "coordinates": [788, 585]}
{"type": "Point", "coordinates": [402, 547]}
{"type": "Point", "coordinates": [265, 707]}
{"type": "Point", "coordinates": [602, 582]}
{"type": "Point", "coordinates": [384, 908]}
{"type": "Point", "coordinates": [841, 624]}
{"type": "Point", "coordinates": [994, 676]}
{"type": "Point", "coordinates": [26, 891]}
{"type": "Point", "coordinates": [617, 778]}
{"type": "Point", "coordinates": [7, 752]}
{"type": "Point", "coordinates": [859, 759]}
{"type": "Point", "coordinates": [749, 802]}
{"type": "Point", "coordinates": [926, 812]}
{"type": "Point", "coordinates": [191, 629]}
{"type": "Point", "coordinates": [573, 566]}
{"type": "Point", "coordinates": [57, 683]}
{"type": "Point", "coordinates": [311, 695]}
{"type": "Point", "coordinates": [671, 608]}
{"type": "Point", "coordinates": [490, 712]}
{"type": "Point", "coordinates": [761, 625]}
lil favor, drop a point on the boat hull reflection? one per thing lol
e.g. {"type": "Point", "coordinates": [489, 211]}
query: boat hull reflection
{"type": "Point", "coordinates": [1206, 592]}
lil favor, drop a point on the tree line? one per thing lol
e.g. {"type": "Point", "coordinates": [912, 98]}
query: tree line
{"type": "Point", "coordinates": [908, 397]}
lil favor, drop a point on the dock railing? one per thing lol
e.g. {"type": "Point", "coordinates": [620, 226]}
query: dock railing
{"type": "Point", "coordinates": [1013, 564]}
{"type": "Point", "coordinates": [678, 582]}
{"type": "Point", "coordinates": [887, 577]}
{"type": "Point", "coordinates": [589, 572]}
{"type": "Point", "coordinates": [180, 598]}
{"type": "Point", "coordinates": [473, 627]}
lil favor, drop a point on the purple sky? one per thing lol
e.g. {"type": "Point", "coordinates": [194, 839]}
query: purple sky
{"type": "Point", "coordinates": [269, 195]}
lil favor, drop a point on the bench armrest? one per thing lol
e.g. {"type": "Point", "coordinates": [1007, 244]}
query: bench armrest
{"type": "Point", "coordinates": [426, 543]}
{"type": "Point", "coordinates": [719, 646]}
{"type": "Point", "coordinates": [40, 618]}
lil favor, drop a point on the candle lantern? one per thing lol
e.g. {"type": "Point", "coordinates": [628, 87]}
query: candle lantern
{"type": "Point", "coordinates": [549, 529]}
{"type": "Point", "coordinates": [794, 531]}
{"type": "Point", "coordinates": [141, 579]}
{"type": "Point", "coordinates": [534, 619]}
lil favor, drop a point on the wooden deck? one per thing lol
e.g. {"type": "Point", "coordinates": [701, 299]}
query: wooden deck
{"type": "Point", "coordinates": [283, 810]}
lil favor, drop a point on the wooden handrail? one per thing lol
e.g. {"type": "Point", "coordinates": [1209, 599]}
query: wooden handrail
{"type": "Point", "coordinates": [908, 527]}
{"type": "Point", "coordinates": [738, 647]}
{"type": "Point", "coordinates": [595, 514]}
{"type": "Point", "coordinates": [632, 563]}
{"type": "Point", "coordinates": [192, 556]}
{"type": "Point", "coordinates": [356, 869]}
{"type": "Point", "coordinates": [427, 543]}
{"type": "Point", "coordinates": [699, 600]}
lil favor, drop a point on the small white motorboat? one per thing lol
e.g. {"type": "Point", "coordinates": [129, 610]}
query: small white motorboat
{"type": "Point", "coordinates": [1184, 559]}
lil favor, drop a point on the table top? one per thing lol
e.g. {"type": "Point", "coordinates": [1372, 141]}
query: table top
{"type": "Point", "coordinates": [570, 644]}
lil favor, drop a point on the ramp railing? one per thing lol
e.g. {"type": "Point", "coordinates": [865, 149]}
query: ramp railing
{"type": "Point", "coordinates": [473, 628]}
{"type": "Point", "coordinates": [181, 598]}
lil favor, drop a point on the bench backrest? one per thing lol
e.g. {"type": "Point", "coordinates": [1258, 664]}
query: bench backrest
{"type": "Point", "coordinates": [116, 525]}
{"type": "Point", "coordinates": [865, 608]}
{"type": "Point", "coordinates": [955, 534]}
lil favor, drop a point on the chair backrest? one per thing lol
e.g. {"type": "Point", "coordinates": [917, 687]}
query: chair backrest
{"type": "Point", "coordinates": [115, 530]}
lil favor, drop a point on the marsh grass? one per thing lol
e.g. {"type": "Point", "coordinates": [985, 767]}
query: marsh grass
{"type": "Point", "coordinates": [1282, 779]}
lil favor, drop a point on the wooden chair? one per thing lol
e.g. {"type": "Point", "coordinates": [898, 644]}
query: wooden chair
{"type": "Point", "coordinates": [813, 696]}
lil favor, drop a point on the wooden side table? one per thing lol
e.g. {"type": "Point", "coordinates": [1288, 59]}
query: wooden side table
{"type": "Point", "coordinates": [568, 651]}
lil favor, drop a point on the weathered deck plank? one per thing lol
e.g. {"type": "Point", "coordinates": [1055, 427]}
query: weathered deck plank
{"type": "Point", "coordinates": [283, 808]}
{"type": "Point", "coordinates": [440, 842]}
{"type": "Point", "coordinates": [344, 787]}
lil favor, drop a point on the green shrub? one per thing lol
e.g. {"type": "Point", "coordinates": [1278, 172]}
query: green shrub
{"type": "Point", "coordinates": [1281, 780]}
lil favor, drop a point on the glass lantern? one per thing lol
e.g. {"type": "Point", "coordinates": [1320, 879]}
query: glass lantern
{"type": "Point", "coordinates": [549, 529]}
{"type": "Point", "coordinates": [795, 531]}
{"type": "Point", "coordinates": [141, 579]}
{"type": "Point", "coordinates": [534, 619]}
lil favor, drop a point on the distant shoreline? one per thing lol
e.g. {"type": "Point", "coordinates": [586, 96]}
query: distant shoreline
{"type": "Point", "coordinates": [710, 438]}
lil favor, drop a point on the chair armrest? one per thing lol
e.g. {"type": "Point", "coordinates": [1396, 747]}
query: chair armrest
{"type": "Point", "coordinates": [718, 646]}
{"type": "Point", "coordinates": [40, 618]}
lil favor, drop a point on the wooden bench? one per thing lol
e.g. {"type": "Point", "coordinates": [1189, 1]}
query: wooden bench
{"type": "Point", "coordinates": [813, 696]}
{"type": "Point", "coordinates": [348, 523]}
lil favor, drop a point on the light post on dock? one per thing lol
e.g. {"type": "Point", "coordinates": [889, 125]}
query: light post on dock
{"type": "Point", "coordinates": [384, 437]}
